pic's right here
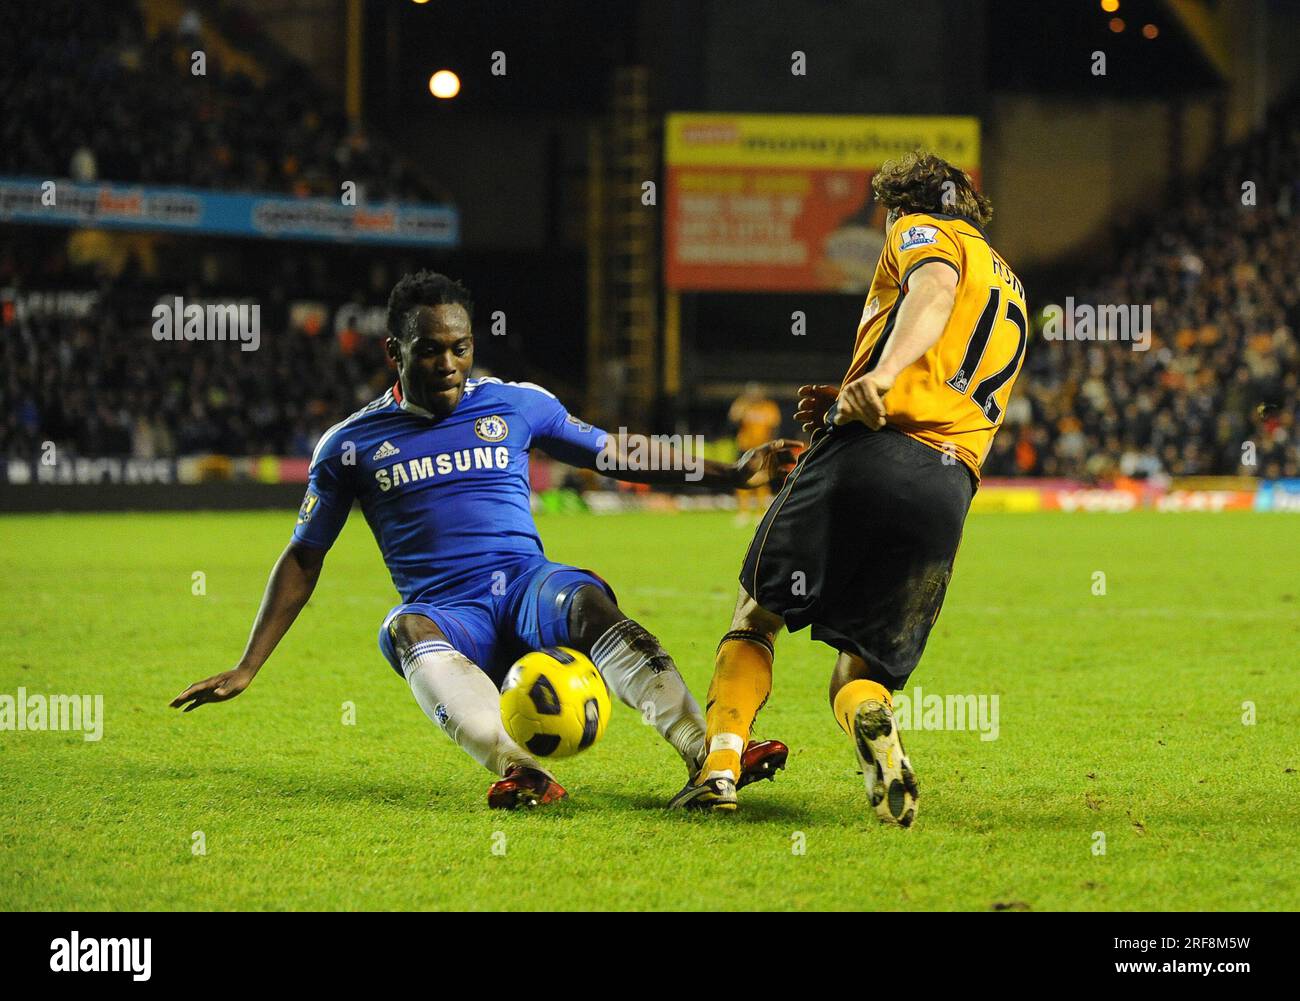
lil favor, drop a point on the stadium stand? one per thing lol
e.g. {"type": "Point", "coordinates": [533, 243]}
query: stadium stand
{"type": "Point", "coordinates": [124, 115]}
{"type": "Point", "coordinates": [98, 385]}
{"type": "Point", "coordinates": [1221, 370]}
{"type": "Point", "coordinates": [1222, 366]}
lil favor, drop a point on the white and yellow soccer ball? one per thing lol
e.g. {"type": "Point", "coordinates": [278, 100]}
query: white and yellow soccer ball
{"type": "Point", "coordinates": [554, 702]}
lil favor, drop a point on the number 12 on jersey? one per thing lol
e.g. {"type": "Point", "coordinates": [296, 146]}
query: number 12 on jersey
{"type": "Point", "coordinates": [983, 393]}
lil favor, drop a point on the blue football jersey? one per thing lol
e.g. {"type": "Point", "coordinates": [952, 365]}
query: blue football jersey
{"type": "Point", "coordinates": [446, 498]}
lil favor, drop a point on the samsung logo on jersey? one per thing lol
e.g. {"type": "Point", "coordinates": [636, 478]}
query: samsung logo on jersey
{"type": "Point", "coordinates": [462, 461]}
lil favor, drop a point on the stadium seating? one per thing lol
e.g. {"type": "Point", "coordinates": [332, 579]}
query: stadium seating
{"type": "Point", "coordinates": [1220, 379]}
{"type": "Point", "coordinates": [131, 109]}
{"type": "Point", "coordinates": [1216, 393]}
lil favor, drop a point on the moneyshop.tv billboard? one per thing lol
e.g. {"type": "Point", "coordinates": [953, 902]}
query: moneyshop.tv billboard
{"type": "Point", "coordinates": [190, 210]}
{"type": "Point", "coordinates": [783, 203]}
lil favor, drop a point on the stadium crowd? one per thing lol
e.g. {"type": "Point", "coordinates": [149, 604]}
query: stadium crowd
{"type": "Point", "coordinates": [1216, 393]}
{"type": "Point", "coordinates": [101, 385]}
{"type": "Point", "coordinates": [131, 108]}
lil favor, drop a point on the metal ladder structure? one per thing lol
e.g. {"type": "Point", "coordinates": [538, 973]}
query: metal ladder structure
{"type": "Point", "coordinates": [623, 251]}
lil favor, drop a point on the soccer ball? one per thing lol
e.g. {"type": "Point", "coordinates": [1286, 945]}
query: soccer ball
{"type": "Point", "coordinates": [554, 702]}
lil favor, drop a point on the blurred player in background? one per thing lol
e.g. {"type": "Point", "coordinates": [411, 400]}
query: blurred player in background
{"type": "Point", "coordinates": [758, 418]}
{"type": "Point", "coordinates": [439, 465]}
{"type": "Point", "coordinates": [860, 542]}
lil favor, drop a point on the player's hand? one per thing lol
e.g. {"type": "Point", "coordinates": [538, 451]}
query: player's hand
{"type": "Point", "coordinates": [814, 401]}
{"type": "Point", "coordinates": [218, 688]}
{"type": "Point", "coordinates": [864, 400]}
{"type": "Point", "coordinates": [760, 466]}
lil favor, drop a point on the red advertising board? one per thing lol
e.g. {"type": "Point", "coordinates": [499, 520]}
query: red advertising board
{"type": "Point", "coordinates": [783, 202]}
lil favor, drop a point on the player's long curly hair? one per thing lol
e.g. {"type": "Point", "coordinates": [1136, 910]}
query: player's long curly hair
{"type": "Point", "coordinates": [923, 182]}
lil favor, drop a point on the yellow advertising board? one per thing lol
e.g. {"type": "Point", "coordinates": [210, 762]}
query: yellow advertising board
{"type": "Point", "coordinates": [783, 202]}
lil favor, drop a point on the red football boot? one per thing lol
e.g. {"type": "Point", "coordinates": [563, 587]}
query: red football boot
{"type": "Point", "coordinates": [524, 787]}
{"type": "Point", "coordinates": [762, 760]}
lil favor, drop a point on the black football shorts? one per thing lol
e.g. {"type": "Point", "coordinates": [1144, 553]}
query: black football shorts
{"type": "Point", "coordinates": [860, 543]}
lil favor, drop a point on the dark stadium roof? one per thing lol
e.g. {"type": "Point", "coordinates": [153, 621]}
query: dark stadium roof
{"type": "Point", "coordinates": [1047, 47]}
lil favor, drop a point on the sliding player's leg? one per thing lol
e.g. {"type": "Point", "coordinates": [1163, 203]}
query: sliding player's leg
{"type": "Point", "coordinates": [643, 675]}
{"type": "Point", "coordinates": [637, 669]}
{"type": "Point", "coordinates": [742, 682]}
{"type": "Point", "coordinates": [556, 605]}
{"type": "Point", "coordinates": [457, 695]}
{"type": "Point", "coordinates": [861, 698]}
{"type": "Point", "coordinates": [549, 604]}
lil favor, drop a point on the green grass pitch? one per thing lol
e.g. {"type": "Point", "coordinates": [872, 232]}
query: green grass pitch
{"type": "Point", "coordinates": [1119, 713]}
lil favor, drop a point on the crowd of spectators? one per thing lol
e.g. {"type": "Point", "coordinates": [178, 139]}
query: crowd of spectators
{"type": "Point", "coordinates": [1216, 392]}
{"type": "Point", "coordinates": [86, 93]}
{"type": "Point", "coordinates": [102, 385]}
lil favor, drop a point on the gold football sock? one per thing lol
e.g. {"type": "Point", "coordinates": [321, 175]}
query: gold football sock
{"type": "Point", "coordinates": [852, 695]}
{"type": "Point", "coordinates": [742, 681]}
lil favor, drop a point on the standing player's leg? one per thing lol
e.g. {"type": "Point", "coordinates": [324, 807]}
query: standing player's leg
{"type": "Point", "coordinates": [861, 698]}
{"type": "Point", "coordinates": [882, 596]}
{"type": "Point", "coordinates": [742, 682]}
{"type": "Point", "coordinates": [457, 695]}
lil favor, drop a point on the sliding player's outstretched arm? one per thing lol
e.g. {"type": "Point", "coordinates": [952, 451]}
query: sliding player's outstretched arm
{"type": "Point", "coordinates": [320, 519]}
{"type": "Point", "coordinates": [814, 402]}
{"type": "Point", "coordinates": [757, 467]}
{"type": "Point", "coordinates": [624, 457]}
{"type": "Point", "coordinates": [291, 583]}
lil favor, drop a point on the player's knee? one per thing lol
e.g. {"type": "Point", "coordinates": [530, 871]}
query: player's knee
{"type": "Point", "coordinates": [592, 613]}
{"type": "Point", "coordinates": [410, 629]}
{"type": "Point", "coordinates": [751, 617]}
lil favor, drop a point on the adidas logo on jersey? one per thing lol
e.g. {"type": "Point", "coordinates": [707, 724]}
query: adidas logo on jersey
{"type": "Point", "coordinates": [384, 451]}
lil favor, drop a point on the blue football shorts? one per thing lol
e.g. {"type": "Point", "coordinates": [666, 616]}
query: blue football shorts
{"type": "Point", "coordinates": [521, 608]}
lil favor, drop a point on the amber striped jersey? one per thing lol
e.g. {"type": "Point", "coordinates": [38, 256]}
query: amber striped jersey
{"type": "Point", "coordinates": [954, 396]}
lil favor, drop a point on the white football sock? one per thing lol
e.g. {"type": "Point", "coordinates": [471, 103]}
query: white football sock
{"type": "Point", "coordinates": [639, 671]}
{"type": "Point", "coordinates": [461, 699]}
